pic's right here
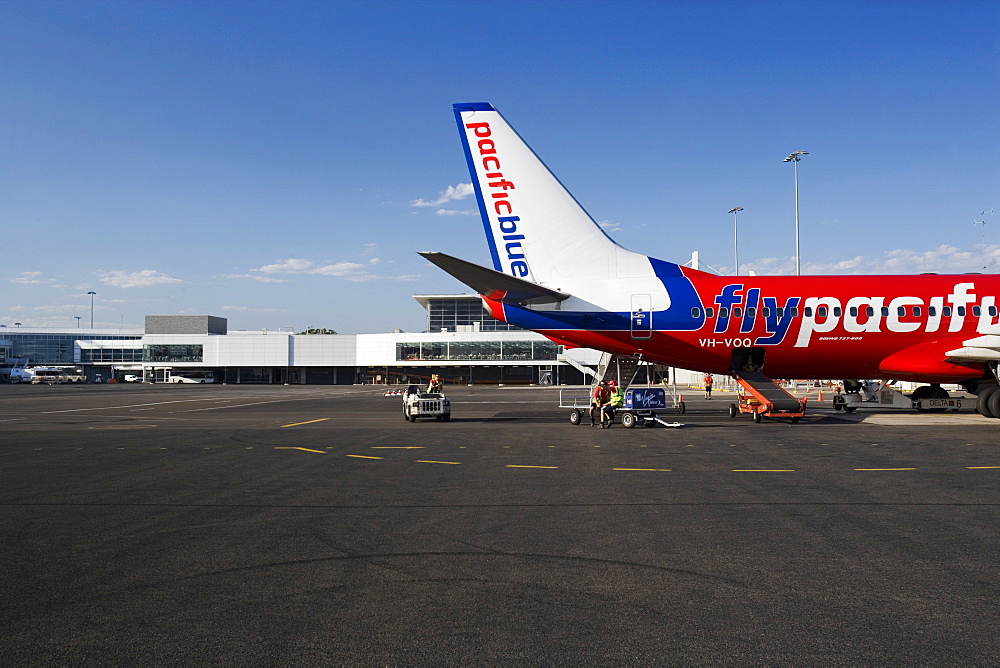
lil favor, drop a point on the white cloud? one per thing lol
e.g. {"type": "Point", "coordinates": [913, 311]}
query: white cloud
{"type": "Point", "coordinates": [34, 278]}
{"type": "Point", "coordinates": [455, 212]}
{"type": "Point", "coordinates": [608, 226]}
{"type": "Point", "coordinates": [136, 279]}
{"type": "Point", "coordinates": [255, 277]}
{"type": "Point", "coordinates": [351, 271]}
{"type": "Point", "coordinates": [461, 191]}
{"type": "Point", "coordinates": [944, 259]}
{"type": "Point", "coordinates": [246, 309]}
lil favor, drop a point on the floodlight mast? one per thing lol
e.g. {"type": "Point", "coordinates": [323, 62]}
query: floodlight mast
{"type": "Point", "coordinates": [736, 240]}
{"type": "Point", "coordinates": [794, 158]}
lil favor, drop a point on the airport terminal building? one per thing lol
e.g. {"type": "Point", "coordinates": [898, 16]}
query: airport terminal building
{"type": "Point", "coordinates": [462, 344]}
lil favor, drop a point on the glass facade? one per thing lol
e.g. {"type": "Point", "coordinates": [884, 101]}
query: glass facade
{"type": "Point", "coordinates": [448, 314]}
{"type": "Point", "coordinates": [173, 353]}
{"type": "Point", "coordinates": [58, 348]}
{"type": "Point", "coordinates": [110, 355]}
{"type": "Point", "coordinates": [468, 351]}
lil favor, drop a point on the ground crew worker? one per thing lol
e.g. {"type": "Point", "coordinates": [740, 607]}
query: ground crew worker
{"type": "Point", "coordinates": [435, 385]}
{"type": "Point", "coordinates": [708, 386]}
{"type": "Point", "coordinates": [615, 401]}
{"type": "Point", "coordinates": [598, 399]}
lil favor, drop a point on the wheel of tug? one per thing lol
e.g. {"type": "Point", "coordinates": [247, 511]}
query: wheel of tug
{"type": "Point", "coordinates": [930, 392]}
{"type": "Point", "coordinates": [983, 400]}
{"type": "Point", "coordinates": [574, 417]}
{"type": "Point", "coordinates": [993, 404]}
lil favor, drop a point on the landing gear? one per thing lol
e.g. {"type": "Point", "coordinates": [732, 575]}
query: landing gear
{"type": "Point", "coordinates": [993, 405]}
{"type": "Point", "coordinates": [983, 401]}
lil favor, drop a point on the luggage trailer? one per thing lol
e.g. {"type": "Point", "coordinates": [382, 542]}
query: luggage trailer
{"type": "Point", "coordinates": [639, 409]}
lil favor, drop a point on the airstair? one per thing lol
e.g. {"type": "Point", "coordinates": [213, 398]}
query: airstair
{"type": "Point", "coordinates": [620, 368]}
{"type": "Point", "coordinates": [640, 403]}
{"type": "Point", "coordinates": [762, 397]}
{"type": "Point", "coordinates": [625, 369]}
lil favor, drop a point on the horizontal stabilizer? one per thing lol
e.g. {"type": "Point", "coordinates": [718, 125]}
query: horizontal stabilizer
{"type": "Point", "coordinates": [494, 284]}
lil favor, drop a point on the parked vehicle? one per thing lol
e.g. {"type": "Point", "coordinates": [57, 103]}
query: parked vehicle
{"type": "Point", "coordinates": [50, 375]}
{"type": "Point", "coordinates": [178, 376]}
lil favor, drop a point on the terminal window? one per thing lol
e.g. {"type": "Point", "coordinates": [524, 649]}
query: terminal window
{"type": "Point", "coordinates": [476, 350]}
{"type": "Point", "coordinates": [448, 314]}
{"type": "Point", "coordinates": [105, 355]}
{"type": "Point", "coordinates": [173, 353]}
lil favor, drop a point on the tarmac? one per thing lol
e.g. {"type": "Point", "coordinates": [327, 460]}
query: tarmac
{"type": "Point", "coordinates": [309, 525]}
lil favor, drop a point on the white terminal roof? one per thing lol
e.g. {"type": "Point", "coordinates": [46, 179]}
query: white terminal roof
{"type": "Point", "coordinates": [424, 300]}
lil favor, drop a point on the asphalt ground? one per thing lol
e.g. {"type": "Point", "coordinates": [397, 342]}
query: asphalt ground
{"type": "Point", "coordinates": [261, 525]}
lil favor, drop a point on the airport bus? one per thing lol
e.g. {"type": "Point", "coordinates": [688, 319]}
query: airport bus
{"type": "Point", "coordinates": [50, 375]}
{"type": "Point", "coordinates": [185, 376]}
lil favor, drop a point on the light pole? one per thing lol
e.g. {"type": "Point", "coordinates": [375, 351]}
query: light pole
{"type": "Point", "coordinates": [78, 320]}
{"type": "Point", "coordinates": [794, 158]}
{"type": "Point", "coordinates": [736, 239]}
{"type": "Point", "coordinates": [91, 293]}
{"type": "Point", "coordinates": [983, 245]}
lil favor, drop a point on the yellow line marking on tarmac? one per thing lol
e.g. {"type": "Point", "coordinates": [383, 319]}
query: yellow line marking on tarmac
{"type": "Point", "coordinates": [982, 467]}
{"type": "Point", "coordinates": [525, 466]}
{"type": "Point", "coordinates": [296, 424]}
{"type": "Point", "coordinates": [397, 447]}
{"type": "Point", "coordinates": [641, 469]}
{"type": "Point", "coordinates": [427, 461]}
{"type": "Point", "coordinates": [365, 457]}
{"type": "Point", "coordinates": [763, 470]}
{"type": "Point", "coordinates": [901, 469]}
{"type": "Point", "coordinates": [295, 447]}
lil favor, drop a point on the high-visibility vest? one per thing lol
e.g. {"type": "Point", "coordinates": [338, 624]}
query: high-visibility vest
{"type": "Point", "coordinates": [617, 397]}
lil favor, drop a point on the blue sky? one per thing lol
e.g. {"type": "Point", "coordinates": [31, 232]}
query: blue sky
{"type": "Point", "coordinates": [280, 163]}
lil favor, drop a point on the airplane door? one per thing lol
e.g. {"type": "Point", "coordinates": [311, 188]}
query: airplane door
{"type": "Point", "coordinates": [642, 317]}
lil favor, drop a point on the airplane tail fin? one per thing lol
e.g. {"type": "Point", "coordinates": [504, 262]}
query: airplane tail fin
{"type": "Point", "coordinates": [535, 228]}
